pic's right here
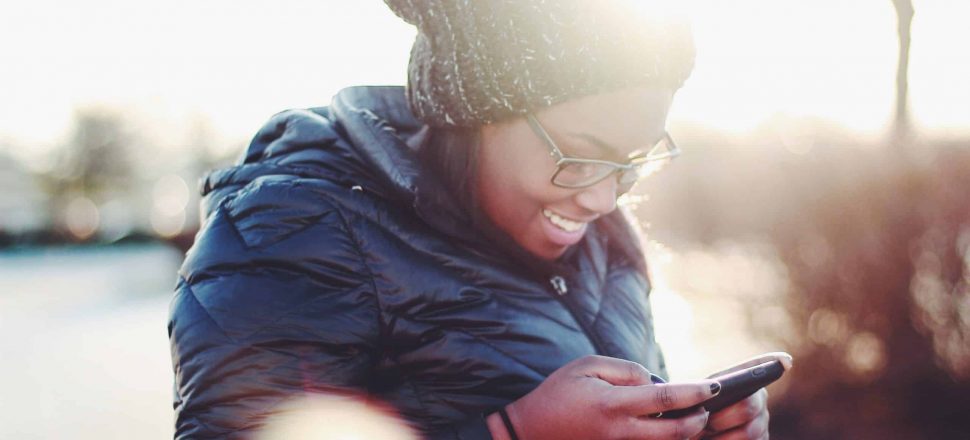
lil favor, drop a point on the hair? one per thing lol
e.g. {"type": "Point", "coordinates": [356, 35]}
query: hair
{"type": "Point", "coordinates": [451, 153]}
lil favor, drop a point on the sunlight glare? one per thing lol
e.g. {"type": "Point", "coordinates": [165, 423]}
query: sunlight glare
{"type": "Point", "coordinates": [334, 417]}
{"type": "Point", "coordinates": [757, 58]}
{"type": "Point", "coordinates": [940, 66]}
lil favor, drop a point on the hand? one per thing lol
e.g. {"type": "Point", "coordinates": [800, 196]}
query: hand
{"type": "Point", "coordinates": [598, 397]}
{"type": "Point", "coordinates": [745, 420]}
{"type": "Point", "coordinates": [748, 418]}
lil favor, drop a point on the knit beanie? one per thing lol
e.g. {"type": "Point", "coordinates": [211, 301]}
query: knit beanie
{"type": "Point", "coordinates": [480, 61]}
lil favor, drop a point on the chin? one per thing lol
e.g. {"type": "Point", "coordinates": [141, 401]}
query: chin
{"type": "Point", "coordinates": [550, 253]}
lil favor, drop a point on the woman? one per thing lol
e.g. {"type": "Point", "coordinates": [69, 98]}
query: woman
{"type": "Point", "coordinates": [452, 250]}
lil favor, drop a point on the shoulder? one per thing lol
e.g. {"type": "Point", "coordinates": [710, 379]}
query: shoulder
{"type": "Point", "coordinates": [272, 259]}
{"type": "Point", "coordinates": [297, 142]}
{"type": "Point", "coordinates": [288, 189]}
{"type": "Point", "coordinates": [290, 130]}
{"type": "Point", "coordinates": [275, 219]}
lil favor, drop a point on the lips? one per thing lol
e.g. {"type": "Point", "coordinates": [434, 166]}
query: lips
{"type": "Point", "coordinates": [562, 231]}
{"type": "Point", "coordinates": [564, 223]}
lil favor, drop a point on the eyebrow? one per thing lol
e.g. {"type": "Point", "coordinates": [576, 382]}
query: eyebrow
{"type": "Point", "coordinates": [609, 149]}
{"type": "Point", "coordinates": [598, 143]}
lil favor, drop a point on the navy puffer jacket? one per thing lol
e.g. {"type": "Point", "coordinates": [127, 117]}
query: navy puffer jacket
{"type": "Point", "coordinates": [329, 262]}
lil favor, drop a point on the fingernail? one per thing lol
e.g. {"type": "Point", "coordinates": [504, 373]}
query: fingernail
{"type": "Point", "coordinates": [656, 379]}
{"type": "Point", "coordinates": [715, 388]}
{"type": "Point", "coordinates": [786, 361]}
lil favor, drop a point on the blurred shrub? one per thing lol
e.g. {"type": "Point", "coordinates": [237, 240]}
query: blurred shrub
{"type": "Point", "coordinates": [879, 284]}
{"type": "Point", "coordinates": [877, 247]}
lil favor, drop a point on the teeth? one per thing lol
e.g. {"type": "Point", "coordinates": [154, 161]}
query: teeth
{"type": "Point", "coordinates": [564, 224]}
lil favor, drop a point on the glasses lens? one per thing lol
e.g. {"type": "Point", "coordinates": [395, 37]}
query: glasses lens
{"type": "Point", "coordinates": [580, 174]}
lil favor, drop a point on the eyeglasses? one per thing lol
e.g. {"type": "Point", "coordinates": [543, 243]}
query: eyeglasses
{"type": "Point", "coordinates": [572, 172]}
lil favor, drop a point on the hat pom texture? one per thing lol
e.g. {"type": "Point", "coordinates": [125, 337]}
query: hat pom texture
{"type": "Point", "coordinates": [476, 62]}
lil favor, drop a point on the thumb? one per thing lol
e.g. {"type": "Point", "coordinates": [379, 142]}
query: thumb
{"type": "Point", "coordinates": [615, 371]}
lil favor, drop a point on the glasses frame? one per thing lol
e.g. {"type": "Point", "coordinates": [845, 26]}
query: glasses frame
{"type": "Point", "coordinates": [619, 169]}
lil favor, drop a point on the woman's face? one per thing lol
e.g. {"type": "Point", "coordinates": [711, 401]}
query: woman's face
{"type": "Point", "coordinates": [515, 165]}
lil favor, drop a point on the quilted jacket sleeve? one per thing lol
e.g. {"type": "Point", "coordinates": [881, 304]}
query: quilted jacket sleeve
{"type": "Point", "coordinates": [273, 301]}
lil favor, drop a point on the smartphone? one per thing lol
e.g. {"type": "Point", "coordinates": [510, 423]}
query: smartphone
{"type": "Point", "coordinates": [735, 386]}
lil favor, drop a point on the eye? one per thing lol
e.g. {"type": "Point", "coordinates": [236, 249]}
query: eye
{"type": "Point", "coordinates": [582, 170]}
{"type": "Point", "coordinates": [579, 151]}
{"type": "Point", "coordinates": [579, 174]}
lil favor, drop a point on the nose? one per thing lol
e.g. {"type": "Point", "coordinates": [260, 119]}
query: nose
{"type": "Point", "coordinates": [599, 198]}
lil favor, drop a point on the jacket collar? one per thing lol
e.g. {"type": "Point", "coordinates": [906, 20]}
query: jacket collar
{"type": "Point", "coordinates": [379, 124]}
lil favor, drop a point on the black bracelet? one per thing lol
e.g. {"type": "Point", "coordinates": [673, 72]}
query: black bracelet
{"type": "Point", "coordinates": [508, 424]}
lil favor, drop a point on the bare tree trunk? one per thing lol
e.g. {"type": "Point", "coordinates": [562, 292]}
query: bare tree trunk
{"type": "Point", "coordinates": [904, 17]}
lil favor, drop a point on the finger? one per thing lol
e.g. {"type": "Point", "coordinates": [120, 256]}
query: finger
{"type": "Point", "coordinates": [614, 371]}
{"type": "Point", "coordinates": [755, 430]}
{"type": "Point", "coordinates": [784, 358]}
{"type": "Point", "coordinates": [686, 427]}
{"type": "Point", "coordinates": [740, 413]}
{"type": "Point", "coordinates": [653, 399]}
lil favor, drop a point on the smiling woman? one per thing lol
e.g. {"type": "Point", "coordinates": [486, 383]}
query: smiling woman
{"type": "Point", "coordinates": [452, 249]}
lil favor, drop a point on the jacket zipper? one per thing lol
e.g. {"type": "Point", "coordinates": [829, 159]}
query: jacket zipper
{"type": "Point", "coordinates": [561, 289]}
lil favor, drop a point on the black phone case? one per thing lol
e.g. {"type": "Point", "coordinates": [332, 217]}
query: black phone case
{"type": "Point", "coordinates": [735, 387]}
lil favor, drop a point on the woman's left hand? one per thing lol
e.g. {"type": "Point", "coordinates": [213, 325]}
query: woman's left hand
{"type": "Point", "coordinates": [744, 420]}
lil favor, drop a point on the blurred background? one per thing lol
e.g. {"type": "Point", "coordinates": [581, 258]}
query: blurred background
{"type": "Point", "coordinates": [822, 206]}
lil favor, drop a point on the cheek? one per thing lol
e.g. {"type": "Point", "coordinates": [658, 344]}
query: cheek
{"type": "Point", "coordinates": [514, 191]}
{"type": "Point", "coordinates": [528, 188]}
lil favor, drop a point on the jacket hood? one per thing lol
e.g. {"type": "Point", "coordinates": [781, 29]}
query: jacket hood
{"type": "Point", "coordinates": [324, 141]}
{"type": "Point", "coordinates": [361, 140]}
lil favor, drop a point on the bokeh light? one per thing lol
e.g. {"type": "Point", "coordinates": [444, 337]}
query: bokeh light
{"type": "Point", "coordinates": [334, 418]}
{"type": "Point", "coordinates": [82, 217]}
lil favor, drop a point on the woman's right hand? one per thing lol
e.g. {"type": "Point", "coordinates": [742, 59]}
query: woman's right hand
{"type": "Point", "coordinates": [597, 397]}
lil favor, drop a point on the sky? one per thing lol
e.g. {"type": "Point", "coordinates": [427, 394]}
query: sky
{"type": "Point", "coordinates": [235, 63]}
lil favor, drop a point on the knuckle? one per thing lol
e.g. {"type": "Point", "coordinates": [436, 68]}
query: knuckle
{"type": "Point", "coordinates": [587, 361]}
{"type": "Point", "coordinates": [635, 371]}
{"type": "Point", "coordinates": [664, 397]}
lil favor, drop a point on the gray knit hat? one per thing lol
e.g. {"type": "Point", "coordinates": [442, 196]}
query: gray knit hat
{"type": "Point", "coordinates": [480, 61]}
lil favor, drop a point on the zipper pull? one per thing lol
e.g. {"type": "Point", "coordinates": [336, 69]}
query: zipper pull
{"type": "Point", "coordinates": [559, 284]}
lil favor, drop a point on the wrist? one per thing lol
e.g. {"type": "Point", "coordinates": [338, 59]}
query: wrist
{"type": "Point", "coordinates": [496, 427]}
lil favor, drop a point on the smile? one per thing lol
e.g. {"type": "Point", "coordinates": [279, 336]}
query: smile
{"type": "Point", "coordinates": [562, 222]}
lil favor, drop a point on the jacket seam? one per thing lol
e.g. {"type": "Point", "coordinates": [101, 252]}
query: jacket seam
{"type": "Point", "coordinates": [188, 286]}
{"type": "Point", "coordinates": [406, 378]}
{"type": "Point", "coordinates": [363, 261]}
{"type": "Point", "coordinates": [493, 347]}
{"type": "Point", "coordinates": [381, 339]}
